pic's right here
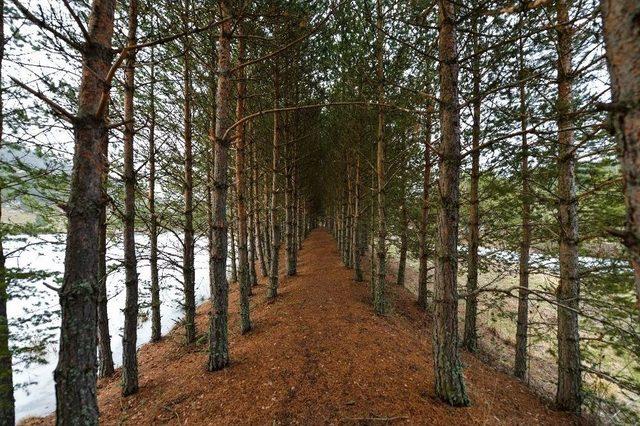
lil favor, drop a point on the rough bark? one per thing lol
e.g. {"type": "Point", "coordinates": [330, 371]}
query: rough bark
{"type": "Point", "coordinates": [622, 38]}
{"type": "Point", "coordinates": [7, 401]}
{"type": "Point", "coordinates": [260, 241]}
{"type": "Point", "coordinates": [289, 198]}
{"type": "Point", "coordinates": [188, 269]}
{"type": "Point", "coordinates": [404, 240]}
{"type": "Point", "coordinates": [357, 235]}
{"type": "Point", "coordinates": [568, 396]}
{"type": "Point", "coordinates": [75, 373]}
{"type": "Point", "coordinates": [424, 219]}
{"type": "Point", "coordinates": [272, 291]}
{"type": "Point", "coordinates": [106, 366]}
{"type": "Point", "coordinates": [233, 258]}
{"type": "Point", "coordinates": [129, 335]}
{"type": "Point", "coordinates": [522, 329]}
{"type": "Point", "coordinates": [448, 369]}
{"type": "Point", "coordinates": [470, 336]}
{"type": "Point", "coordinates": [241, 206]}
{"type": "Point", "coordinates": [156, 326]}
{"type": "Point", "coordinates": [379, 296]}
{"type": "Point", "coordinates": [218, 327]}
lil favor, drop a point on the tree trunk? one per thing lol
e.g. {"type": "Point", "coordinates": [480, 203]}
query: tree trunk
{"type": "Point", "coordinates": [130, 329]}
{"type": "Point", "coordinates": [522, 329]}
{"type": "Point", "coordinates": [379, 296]}
{"type": "Point", "coordinates": [251, 226]}
{"type": "Point", "coordinates": [260, 241]}
{"type": "Point", "coordinates": [620, 19]}
{"type": "Point", "coordinates": [448, 369]}
{"type": "Point", "coordinates": [243, 256]}
{"type": "Point", "coordinates": [106, 366]}
{"type": "Point", "coordinates": [424, 220]}
{"type": "Point", "coordinates": [75, 373]}
{"type": "Point", "coordinates": [404, 224]}
{"type": "Point", "coordinates": [188, 269]}
{"type": "Point", "coordinates": [470, 336]}
{"type": "Point", "coordinates": [272, 292]}
{"type": "Point", "coordinates": [568, 396]}
{"type": "Point", "coordinates": [7, 401]}
{"type": "Point", "coordinates": [357, 235]}
{"type": "Point", "coordinates": [233, 258]}
{"type": "Point", "coordinates": [289, 212]}
{"type": "Point", "coordinates": [156, 326]}
{"type": "Point", "coordinates": [218, 327]}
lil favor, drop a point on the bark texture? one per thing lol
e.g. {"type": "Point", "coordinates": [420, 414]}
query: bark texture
{"type": "Point", "coordinates": [379, 294]}
{"type": "Point", "coordinates": [130, 329]}
{"type": "Point", "coordinates": [424, 219]}
{"type": "Point", "coordinates": [568, 395]}
{"type": "Point", "coordinates": [241, 207]}
{"type": "Point", "coordinates": [188, 269]}
{"type": "Point", "coordinates": [621, 19]}
{"type": "Point", "coordinates": [7, 401]}
{"type": "Point", "coordinates": [520, 369]}
{"type": "Point", "coordinates": [449, 381]}
{"type": "Point", "coordinates": [75, 373]}
{"type": "Point", "coordinates": [470, 336]}
{"type": "Point", "coordinates": [218, 327]}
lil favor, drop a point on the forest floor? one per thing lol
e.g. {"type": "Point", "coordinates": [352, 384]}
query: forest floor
{"type": "Point", "coordinates": [317, 355]}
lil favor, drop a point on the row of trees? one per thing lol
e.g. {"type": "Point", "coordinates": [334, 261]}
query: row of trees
{"type": "Point", "coordinates": [287, 116]}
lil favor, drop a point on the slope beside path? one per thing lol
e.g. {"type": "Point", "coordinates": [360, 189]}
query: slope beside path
{"type": "Point", "coordinates": [317, 355]}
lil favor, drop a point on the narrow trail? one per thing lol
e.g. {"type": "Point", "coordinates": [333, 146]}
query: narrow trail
{"type": "Point", "coordinates": [317, 355]}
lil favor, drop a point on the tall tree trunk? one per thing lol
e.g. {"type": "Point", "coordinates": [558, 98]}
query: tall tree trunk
{"type": "Point", "coordinates": [130, 329]}
{"type": "Point", "coordinates": [251, 226]}
{"type": "Point", "coordinates": [424, 220]}
{"type": "Point", "coordinates": [267, 222]}
{"type": "Point", "coordinates": [233, 258]}
{"type": "Point", "coordinates": [75, 373]}
{"type": "Point", "coordinates": [243, 256]}
{"type": "Point", "coordinates": [7, 401]}
{"type": "Point", "coordinates": [448, 369]}
{"type": "Point", "coordinates": [260, 241]}
{"type": "Point", "coordinates": [272, 292]}
{"type": "Point", "coordinates": [404, 225]}
{"type": "Point", "coordinates": [357, 235]}
{"type": "Point", "coordinates": [470, 336]}
{"type": "Point", "coordinates": [379, 297]}
{"type": "Point", "coordinates": [188, 268]}
{"type": "Point", "coordinates": [156, 326]}
{"type": "Point", "coordinates": [522, 329]}
{"type": "Point", "coordinates": [620, 19]}
{"type": "Point", "coordinates": [106, 366]}
{"type": "Point", "coordinates": [218, 327]}
{"type": "Point", "coordinates": [568, 396]}
{"type": "Point", "coordinates": [289, 212]}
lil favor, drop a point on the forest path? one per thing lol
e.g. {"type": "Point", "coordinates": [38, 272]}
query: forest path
{"type": "Point", "coordinates": [317, 355]}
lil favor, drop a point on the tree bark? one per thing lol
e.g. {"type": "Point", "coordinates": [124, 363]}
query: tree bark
{"type": "Point", "coordinates": [424, 220]}
{"type": "Point", "coordinates": [233, 258]}
{"type": "Point", "coordinates": [272, 292]}
{"type": "Point", "coordinates": [156, 326]}
{"type": "Point", "coordinates": [568, 396]}
{"type": "Point", "coordinates": [218, 327]}
{"type": "Point", "coordinates": [470, 336]}
{"type": "Point", "coordinates": [7, 401]}
{"type": "Point", "coordinates": [106, 366]}
{"type": "Point", "coordinates": [357, 235]}
{"type": "Point", "coordinates": [260, 241]}
{"type": "Point", "coordinates": [243, 256]}
{"type": "Point", "coordinates": [404, 243]}
{"type": "Point", "coordinates": [188, 269]}
{"type": "Point", "coordinates": [448, 369]}
{"type": "Point", "coordinates": [379, 296]}
{"type": "Point", "coordinates": [522, 329]}
{"type": "Point", "coordinates": [75, 373]}
{"type": "Point", "coordinates": [130, 329]}
{"type": "Point", "coordinates": [289, 209]}
{"type": "Point", "coordinates": [622, 40]}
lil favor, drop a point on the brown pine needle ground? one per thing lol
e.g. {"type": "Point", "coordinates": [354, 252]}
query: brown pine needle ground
{"type": "Point", "coordinates": [317, 355]}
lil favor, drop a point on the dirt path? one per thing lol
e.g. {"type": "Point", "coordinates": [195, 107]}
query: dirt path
{"type": "Point", "coordinates": [318, 355]}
